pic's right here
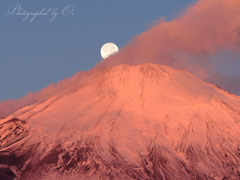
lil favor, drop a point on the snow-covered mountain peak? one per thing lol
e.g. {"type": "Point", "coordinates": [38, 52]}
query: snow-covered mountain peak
{"type": "Point", "coordinates": [126, 122]}
{"type": "Point", "coordinates": [159, 81]}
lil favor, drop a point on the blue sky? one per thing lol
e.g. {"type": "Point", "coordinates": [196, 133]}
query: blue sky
{"type": "Point", "coordinates": [35, 54]}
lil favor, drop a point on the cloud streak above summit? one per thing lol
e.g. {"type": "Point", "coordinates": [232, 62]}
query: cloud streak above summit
{"type": "Point", "coordinates": [189, 42]}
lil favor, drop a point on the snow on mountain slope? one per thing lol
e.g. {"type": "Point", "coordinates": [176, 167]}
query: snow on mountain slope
{"type": "Point", "coordinates": [127, 122]}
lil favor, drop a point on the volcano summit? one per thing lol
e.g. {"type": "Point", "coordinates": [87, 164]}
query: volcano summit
{"type": "Point", "coordinates": [126, 122]}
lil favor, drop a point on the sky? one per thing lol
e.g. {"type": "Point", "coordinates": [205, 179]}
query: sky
{"type": "Point", "coordinates": [38, 53]}
{"type": "Point", "coordinates": [199, 36]}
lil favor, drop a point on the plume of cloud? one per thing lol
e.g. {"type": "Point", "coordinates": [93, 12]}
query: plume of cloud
{"type": "Point", "coordinates": [202, 30]}
{"type": "Point", "coordinates": [9, 106]}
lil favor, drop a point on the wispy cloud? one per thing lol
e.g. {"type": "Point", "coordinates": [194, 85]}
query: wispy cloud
{"type": "Point", "coordinates": [190, 41]}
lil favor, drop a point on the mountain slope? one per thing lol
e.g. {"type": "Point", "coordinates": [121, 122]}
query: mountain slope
{"type": "Point", "coordinates": [127, 122]}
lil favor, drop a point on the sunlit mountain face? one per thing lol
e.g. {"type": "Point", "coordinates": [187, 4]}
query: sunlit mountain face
{"type": "Point", "coordinates": [126, 122]}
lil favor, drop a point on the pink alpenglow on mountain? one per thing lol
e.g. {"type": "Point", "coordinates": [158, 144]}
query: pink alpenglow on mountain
{"type": "Point", "coordinates": [126, 122]}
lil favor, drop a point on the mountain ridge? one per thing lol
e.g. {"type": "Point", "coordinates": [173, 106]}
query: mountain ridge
{"type": "Point", "coordinates": [126, 122]}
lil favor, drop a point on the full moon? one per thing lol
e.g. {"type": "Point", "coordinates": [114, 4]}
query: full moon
{"type": "Point", "coordinates": [108, 49]}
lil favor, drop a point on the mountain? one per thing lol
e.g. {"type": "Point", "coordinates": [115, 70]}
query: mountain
{"type": "Point", "coordinates": [126, 122]}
